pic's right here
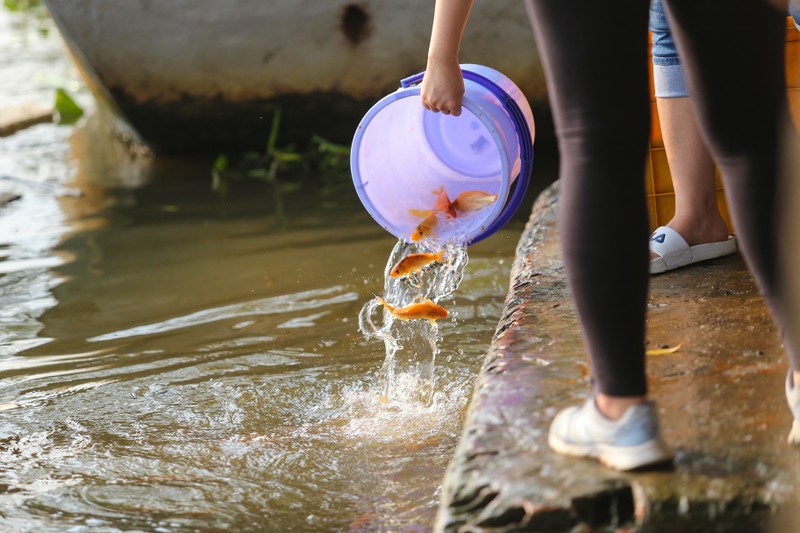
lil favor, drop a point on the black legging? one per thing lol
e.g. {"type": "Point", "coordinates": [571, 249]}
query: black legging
{"type": "Point", "coordinates": [595, 58]}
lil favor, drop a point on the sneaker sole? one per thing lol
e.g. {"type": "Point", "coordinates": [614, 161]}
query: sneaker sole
{"type": "Point", "coordinates": [624, 458]}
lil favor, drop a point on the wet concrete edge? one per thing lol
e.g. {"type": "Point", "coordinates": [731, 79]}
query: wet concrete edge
{"type": "Point", "coordinates": [503, 477]}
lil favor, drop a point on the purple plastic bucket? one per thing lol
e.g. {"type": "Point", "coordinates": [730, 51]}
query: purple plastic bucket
{"type": "Point", "coordinates": [403, 156]}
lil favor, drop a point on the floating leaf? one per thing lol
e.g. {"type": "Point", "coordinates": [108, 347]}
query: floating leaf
{"type": "Point", "coordinates": [67, 111]}
{"type": "Point", "coordinates": [663, 351]}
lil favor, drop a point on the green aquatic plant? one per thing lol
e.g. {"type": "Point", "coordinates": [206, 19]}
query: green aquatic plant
{"type": "Point", "coordinates": [219, 181]}
{"type": "Point", "coordinates": [264, 167]}
{"type": "Point", "coordinates": [66, 110]}
{"type": "Point", "coordinates": [276, 159]}
{"type": "Point", "coordinates": [333, 162]}
{"type": "Point", "coordinates": [323, 166]}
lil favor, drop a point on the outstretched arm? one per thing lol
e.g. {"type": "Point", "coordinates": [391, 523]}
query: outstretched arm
{"type": "Point", "coordinates": [443, 84]}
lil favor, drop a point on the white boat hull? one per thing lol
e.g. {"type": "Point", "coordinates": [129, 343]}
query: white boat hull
{"type": "Point", "coordinates": [190, 74]}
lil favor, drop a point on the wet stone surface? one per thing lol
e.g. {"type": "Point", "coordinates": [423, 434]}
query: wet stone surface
{"type": "Point", "coordinates": [720, 398]}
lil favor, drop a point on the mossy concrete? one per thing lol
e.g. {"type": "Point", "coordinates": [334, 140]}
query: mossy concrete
{"type": "Point", "coordinates": [720, 399]}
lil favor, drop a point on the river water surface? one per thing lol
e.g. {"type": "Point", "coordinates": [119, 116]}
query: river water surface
{"type": "Point", "coordinates": [171, 360]}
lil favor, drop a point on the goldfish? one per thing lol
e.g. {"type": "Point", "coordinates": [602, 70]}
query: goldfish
{"type": "Point", "coordinates": [473, 200]}
{"type": "Point", "coordinates": [425, 227]}
{"type": "Point", "coordinates": [425, 309]}
{"type": "Point", "coordinates": [413, 263]}
{"type": "Point", "coordinates": [443, 204]}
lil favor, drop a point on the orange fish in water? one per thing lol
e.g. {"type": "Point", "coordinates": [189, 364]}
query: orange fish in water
{"type": "Point", "coordinates": [425, 227]}
{"type": "Point", "coordinates": [425, 309]}
{"type": "Point", "coordinates": [429, 216]}
{"type": "Point", "coordinates": [443, 203]}
{"type": "Point", "coordinates": [413, 263]}
{"type": "Point", "coordinates": [473, 200]}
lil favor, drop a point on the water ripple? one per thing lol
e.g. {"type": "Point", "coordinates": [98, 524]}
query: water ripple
{"type": "Point", "coordinates": [266, 306]}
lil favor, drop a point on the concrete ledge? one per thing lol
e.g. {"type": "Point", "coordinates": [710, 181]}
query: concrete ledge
{"type": "Point", "coordinates": [720, 397]}
{"type": "Point", "coordinates": [23, 116]}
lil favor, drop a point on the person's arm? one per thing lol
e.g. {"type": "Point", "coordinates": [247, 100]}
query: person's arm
{"type": "Point", "coordinates": [443, 84]}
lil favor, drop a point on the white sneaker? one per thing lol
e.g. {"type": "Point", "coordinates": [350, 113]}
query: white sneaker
{"type": "Point", "coordinates": [632, 442]}
{"type": "Point", "coordinates": [793, 397]}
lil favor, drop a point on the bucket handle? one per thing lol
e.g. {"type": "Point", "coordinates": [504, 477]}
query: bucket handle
{"type": "Point", "coordinates": [525, 145]}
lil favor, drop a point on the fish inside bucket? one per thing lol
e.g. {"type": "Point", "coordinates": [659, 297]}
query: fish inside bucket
{"type": "Point", "coordinates": [403, 155]}
{"type": "Point", "coordinates": [424, 169]}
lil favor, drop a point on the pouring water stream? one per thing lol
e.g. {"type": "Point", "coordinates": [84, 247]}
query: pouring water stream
{"type": "Point", "coordinates": [411, 347]}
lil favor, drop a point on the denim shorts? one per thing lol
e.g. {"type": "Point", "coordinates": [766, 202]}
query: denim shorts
{"type": "Point", "coordinates": [664, 51]}
{"type": "Point", "coordinates": [668, 76]}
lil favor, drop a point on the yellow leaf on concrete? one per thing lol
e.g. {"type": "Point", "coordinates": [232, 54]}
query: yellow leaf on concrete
{"type": "Point", "coordinates": [663, 351]}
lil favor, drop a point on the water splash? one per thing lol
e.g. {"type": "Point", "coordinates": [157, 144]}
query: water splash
{"type": "Point", "coordinates": [411, 347]}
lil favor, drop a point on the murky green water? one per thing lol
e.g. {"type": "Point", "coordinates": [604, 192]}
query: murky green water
{"type": "Point", "coordinates": [173, 361]}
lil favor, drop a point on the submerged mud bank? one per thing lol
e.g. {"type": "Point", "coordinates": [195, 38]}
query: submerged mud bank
{"type": "Point", "coordinates": [720, 398]}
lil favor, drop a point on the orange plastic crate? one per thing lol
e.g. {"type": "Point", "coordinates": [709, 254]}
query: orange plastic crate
{"type": "Point", "coordinates": [658, 181]}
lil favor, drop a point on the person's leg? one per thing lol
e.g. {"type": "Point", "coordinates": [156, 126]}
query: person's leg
{"type": "Point", "coordinates": [602, 132]}
{"type": "Point", "coordinates": [697, 218]}
{"type": "Point", "coordinates": [737, 79]}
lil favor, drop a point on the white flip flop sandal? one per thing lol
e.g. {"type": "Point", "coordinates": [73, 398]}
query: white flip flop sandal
{"type": "Point", "coordinates": [674, 252]}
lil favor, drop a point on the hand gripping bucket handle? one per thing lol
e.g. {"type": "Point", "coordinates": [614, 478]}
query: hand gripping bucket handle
{"type": "Point", "coordinates": [525, 145]}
